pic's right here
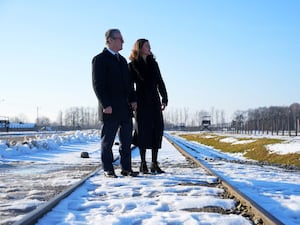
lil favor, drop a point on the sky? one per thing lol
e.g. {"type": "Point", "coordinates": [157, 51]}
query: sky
{"type": "Point", "coordinates": [223, 55]}
{"type": "Point", "coordinates": [148, 199]}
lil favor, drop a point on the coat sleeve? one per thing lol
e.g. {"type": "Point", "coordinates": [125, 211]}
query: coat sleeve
{"type": "Point", "coordinates": [132, 94]}
{"type": "Point", "coordinates": [100, 81]}
{"type": "Point", "coordinates": [161, 86]}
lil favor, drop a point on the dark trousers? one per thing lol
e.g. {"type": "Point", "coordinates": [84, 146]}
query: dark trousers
{"type": "Point", "coordinates": [108, 134]}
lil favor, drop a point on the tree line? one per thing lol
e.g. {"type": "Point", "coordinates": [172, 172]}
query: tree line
{"type": "Point", "coordinates": [270, 120]}
{"type": "Point", "coordinates": [279, 120]}
{"type": "Point", "coordinates": [273, 119]}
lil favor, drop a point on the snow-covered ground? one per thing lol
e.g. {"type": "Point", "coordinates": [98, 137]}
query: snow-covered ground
{"type": "Point", "coordinates": [276, 189]}
{"type": "Point", "coordinates": [161, 199]}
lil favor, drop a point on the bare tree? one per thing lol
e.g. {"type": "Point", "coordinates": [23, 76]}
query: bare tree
{"type": "Point", "coordinates": [21, 118]}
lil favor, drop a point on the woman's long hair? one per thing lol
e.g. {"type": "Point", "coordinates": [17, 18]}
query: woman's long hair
{"type": "Point", "coordinates": [136, 57]}
{"type": "Point", "coordinates": [137, 49]}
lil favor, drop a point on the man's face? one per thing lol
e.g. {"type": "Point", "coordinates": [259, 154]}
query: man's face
{"type": "Point", "coordinates": [116, 42]}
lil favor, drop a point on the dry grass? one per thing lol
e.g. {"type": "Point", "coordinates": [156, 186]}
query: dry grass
{"type": "Point", "coordinates": [255, 150]}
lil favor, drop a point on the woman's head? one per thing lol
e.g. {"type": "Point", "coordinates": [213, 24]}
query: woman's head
{"type": "Point", "coordinates": [141, 49]}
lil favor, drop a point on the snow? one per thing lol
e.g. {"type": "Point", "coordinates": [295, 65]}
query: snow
{"type": "Point", "coordinates": [285, 148]}
{"type": "Point", "coordinates": [290, 145]}
{"type": "Point", "coordinates": [274, 188]}
{"type": "Point", "coordinates": [158, 199]}
{"type": "Point", "coordinates": [235, 141]}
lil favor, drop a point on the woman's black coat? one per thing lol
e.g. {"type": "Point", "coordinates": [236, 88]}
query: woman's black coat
{"type": "Point", "coordinates": [150, 93]}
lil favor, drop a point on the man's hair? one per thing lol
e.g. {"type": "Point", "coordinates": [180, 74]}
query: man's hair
{"type": "Point", "coordinates": [111, 34]}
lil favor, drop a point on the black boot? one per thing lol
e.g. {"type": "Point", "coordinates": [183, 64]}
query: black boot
{"type": "Point", "coordinates": [144, 168]}
{"type": "Point", "coordinates": [155, 168]}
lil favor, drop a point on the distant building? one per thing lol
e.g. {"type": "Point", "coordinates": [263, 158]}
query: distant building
{"type": "Point", "coordinates": [21, 125]}
{"type": "Point", "coordinates": [6, 125]}
{"type": "Point", "coordinates": [206, 123]}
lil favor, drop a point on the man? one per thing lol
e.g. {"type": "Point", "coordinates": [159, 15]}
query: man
{"type": "Point", "coordinates": [114, 89]}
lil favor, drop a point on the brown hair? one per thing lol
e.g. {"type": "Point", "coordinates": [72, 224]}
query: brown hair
{"type": "Point", "coordinates": [137, 47]}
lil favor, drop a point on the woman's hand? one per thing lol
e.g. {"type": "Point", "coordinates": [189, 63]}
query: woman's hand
{"type": "Point", "coordinates": [107, 110]}
{"type": "Point", "coordinates": [133, 106]}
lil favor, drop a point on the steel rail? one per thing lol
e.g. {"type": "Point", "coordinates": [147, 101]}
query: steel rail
{"type": "Point", "coordinates": [32, 217]}
{"type": "Point", "coordinates": [259, 212]}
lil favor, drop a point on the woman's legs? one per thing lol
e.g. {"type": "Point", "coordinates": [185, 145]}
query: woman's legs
{"type": "Point", "coordinates": [143, 155]}
{"type": "Point", "coordinates": [154, 165]}
{"type": "Point", "coordinates": [143, 166]}
{"type": "Point", "coordinates": [154, 155]}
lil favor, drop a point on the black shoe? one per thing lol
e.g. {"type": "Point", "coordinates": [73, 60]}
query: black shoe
{"type": "Point", "coordinates": [110, 174]}
{"type": "Point", "coordinates": [155, 168]}
{"type": "Point", "coordinates": [144, 168]}
{"type": "Point", "coordinates": [129, 173]}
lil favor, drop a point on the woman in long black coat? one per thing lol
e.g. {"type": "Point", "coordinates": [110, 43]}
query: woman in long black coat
{"type": "Point", "coordinates": [152, 99]}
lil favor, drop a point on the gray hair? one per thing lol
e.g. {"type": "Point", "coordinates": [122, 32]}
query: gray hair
{"type": "Point", "coordinates": [111, 34]}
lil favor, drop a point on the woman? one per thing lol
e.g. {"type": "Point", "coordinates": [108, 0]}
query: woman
{"type": "Point", "coordinates": [152, 99]}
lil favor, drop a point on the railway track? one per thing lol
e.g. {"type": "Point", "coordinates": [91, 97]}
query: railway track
{"type": "Point", "coordinates": [38, 213]}
{"type": "Point", "coordinates": [258, 214]}
{"type": "Point", "coordinates": [254, 211]}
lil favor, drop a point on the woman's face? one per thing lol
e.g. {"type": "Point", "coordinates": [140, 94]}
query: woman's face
{"type": "Point", "coordinates": [146, 49]}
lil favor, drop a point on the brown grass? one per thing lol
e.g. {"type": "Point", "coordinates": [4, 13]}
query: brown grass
{"type": "Point", "coordinates": [255, 150]}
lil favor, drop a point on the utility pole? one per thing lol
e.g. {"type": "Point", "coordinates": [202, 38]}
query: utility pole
{"type": "Point", "coordinates": [37, 115]}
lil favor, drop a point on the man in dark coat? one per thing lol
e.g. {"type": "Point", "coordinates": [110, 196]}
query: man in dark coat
{"type": "Point", "coordinates": [114, 90]}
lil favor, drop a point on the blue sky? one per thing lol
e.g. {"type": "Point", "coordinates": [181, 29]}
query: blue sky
{"type": "Point", "coordinates": [226, 55]}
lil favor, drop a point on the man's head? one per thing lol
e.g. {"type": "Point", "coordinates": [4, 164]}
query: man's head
{"type": "Point", "coordinates": [114, 39]}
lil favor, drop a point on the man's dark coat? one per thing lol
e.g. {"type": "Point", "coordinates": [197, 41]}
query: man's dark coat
{"type": "Point", "coordinates": [112, 85]}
